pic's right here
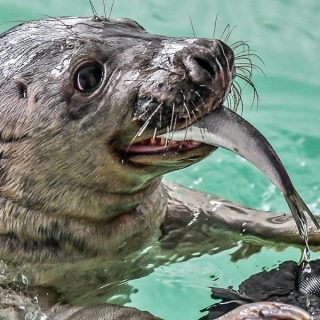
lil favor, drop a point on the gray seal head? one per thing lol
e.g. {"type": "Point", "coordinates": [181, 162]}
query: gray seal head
{"type": "Point", "coordinates": [82, 101]}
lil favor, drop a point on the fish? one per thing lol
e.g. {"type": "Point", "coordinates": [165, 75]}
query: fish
{"type": "Point", "coordinates": [224, 128]}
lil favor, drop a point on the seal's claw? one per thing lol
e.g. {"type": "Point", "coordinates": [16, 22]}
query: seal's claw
{"type": "Point", "coordinates": [266, 311]}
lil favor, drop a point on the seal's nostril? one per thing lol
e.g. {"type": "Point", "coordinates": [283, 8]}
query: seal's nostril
{"type": "Point", "coordinates": [207, 65]}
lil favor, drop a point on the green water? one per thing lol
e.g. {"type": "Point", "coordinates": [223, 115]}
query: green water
{"type": "Point", "coordinates": [285, 34]}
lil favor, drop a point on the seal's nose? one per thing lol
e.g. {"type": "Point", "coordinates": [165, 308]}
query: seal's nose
{"type": "Point", "coordinates": [208, 60]}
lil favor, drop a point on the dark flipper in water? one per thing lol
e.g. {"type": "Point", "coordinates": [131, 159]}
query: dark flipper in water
{"type": "Point", "coordinates": [224, 128]}
{"type": "Point", "coordinates": [288, 284]}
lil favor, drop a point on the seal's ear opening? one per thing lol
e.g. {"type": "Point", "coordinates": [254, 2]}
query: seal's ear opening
{"type": "Point", "coordinates": [22, 89]}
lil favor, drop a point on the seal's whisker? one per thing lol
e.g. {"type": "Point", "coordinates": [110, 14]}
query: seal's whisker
{"type": "Point", "coordinates": [252, 66]}
{"type": "Point", "coordinates": [215, 25]}
{"type": "Point", "coordinates": [233, 99]}
{"type": "Point", "coordinates": [188, 112]}
{"type": "Point", "coordinates": [239, 44]}
{"type": "Point", "coordinates": [238, 91]}
{"type": "Point", "coordinates": [104, 9]}
{"type": "Point", "coordinates": [171, 122]}
{"type": "Point", "coordinates": [246, 79]}
{"type": "Point", "coordinates": [141, 130]}
{"type": "Point", "coordinates": [167, 139]}
{"type": "Point", "coordinates": [199, 95]}
{"type": "Point", "coordinates": [149, 118]}
{"type": "Point", "coordinates": [237, 94]}
{"type": "Point", "coordinates": [194, 116]}
{"type": "Point", "coordinates": [172, 115]}
{"type": "Point", "coordinates": [154, 133]}
{"type": "Point", "coordinates": [229, 34]}
{"type": "Point", "coordinates": [185, 134]}
{"type": "Point", "coordinates": [245, 64]}
{"type": "Point", "coordinates": [251, 84]}
{"type": "Point", "coordinates": [93, 9]}
{"type": "Point", "coordinates": [244, 59]}
{"type": "Point", "coordinates": [228, 99]}
{"type": "Point", "coordinates": [144, 126]}
{"type": "Point", "coordinates": [225, 30]}
{"type": "Point", "coordinates": [245, 70]}
{"type": "Point", "coordinates": [172, 127]}
{"type": "Point", "coordinates": [145, 106]}
{"type": "Point", "coordinates": [110, 12]}
{"type": "Point", "coordinates": [144, 113]}
{"type": "Point", "coordinates": [197, 120]}
{"type": "Point", "coordinates": [247, 55]}
{"type": "Point", "coordinates": [160, 118]}
{"type": "Point", "coordinates": [185, 106]}
{"type": "Point", "coordinates": [238, 54]}
{"type": "Point", "coordinates": [194, 34]}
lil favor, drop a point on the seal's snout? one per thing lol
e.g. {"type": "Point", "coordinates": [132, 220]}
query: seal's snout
{"type": "Point", "coordinates": [195, 76]}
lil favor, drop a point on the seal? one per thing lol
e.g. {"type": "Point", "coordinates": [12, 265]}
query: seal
{"type": "Point", "coordinates": [83, 101]}
{"type": "Point", "coordinates": [74, 97]}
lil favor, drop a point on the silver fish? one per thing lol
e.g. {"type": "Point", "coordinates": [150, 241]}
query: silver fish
{"type": "Point", "coordinates": [224, 128]}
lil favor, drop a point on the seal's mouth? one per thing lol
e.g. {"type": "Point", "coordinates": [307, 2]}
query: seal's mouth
{"type": "Point", "coordinates": [160, 145]}
{"type": "Point", "coordinates": [168, 153]}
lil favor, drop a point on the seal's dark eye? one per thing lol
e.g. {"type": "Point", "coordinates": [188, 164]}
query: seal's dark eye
{"type": "Point", "coordinates": [89, 77]}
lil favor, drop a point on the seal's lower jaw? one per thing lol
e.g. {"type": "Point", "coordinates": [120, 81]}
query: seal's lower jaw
{"type": "Point", "coordinates": [170, 154]}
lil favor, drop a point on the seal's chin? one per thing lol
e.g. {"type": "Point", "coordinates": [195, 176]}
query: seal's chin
{"type": "Point", "coordinates": [167, 153]}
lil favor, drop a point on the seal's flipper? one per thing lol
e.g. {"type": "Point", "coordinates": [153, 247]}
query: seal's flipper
{"type": "Point", "coordinates": [224, 128]}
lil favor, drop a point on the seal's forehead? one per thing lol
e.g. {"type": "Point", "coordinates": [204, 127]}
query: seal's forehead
{"type": "Point", "coordinates": [46, 41]}
{"type": "Point", "coordinates": [84, 27]}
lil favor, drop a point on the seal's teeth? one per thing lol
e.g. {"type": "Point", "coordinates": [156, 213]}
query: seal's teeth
{"type": "Point", "coordinates": [158, 145]}
{"type": "Point", "coordinates": [157, 142]}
